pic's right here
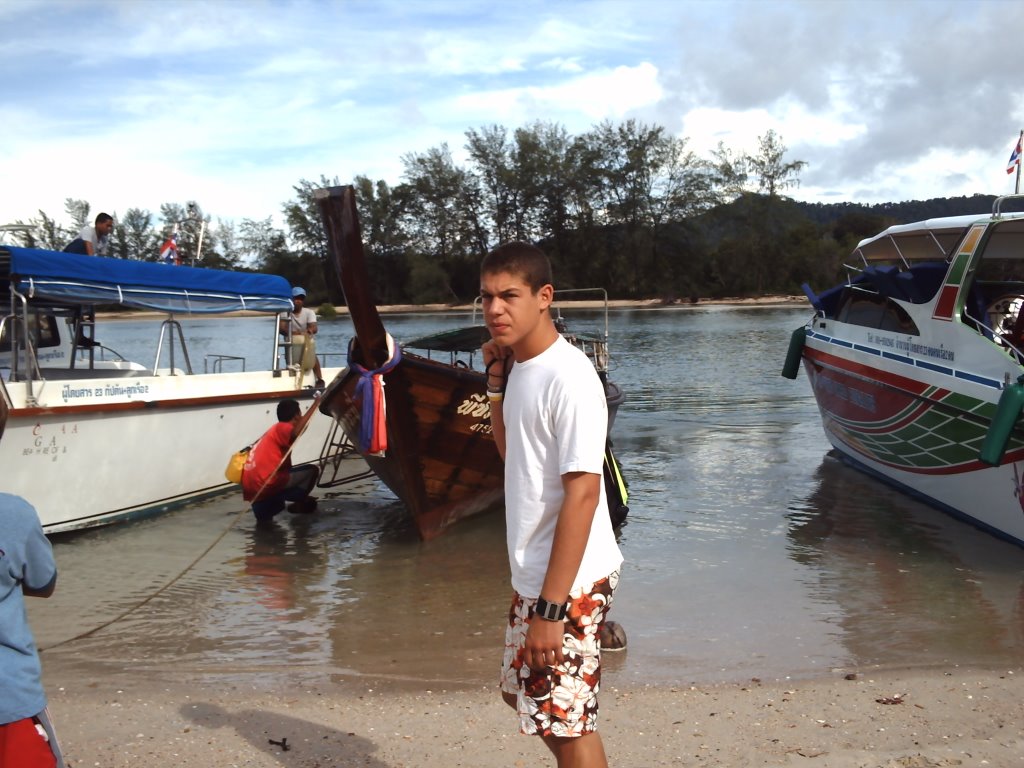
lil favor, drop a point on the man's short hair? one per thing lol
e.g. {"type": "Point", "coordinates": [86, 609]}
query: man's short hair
{"type": "Point", "coordinates": [103, 218]}
{"type": "Point", "coordinates": [288, 410]}
{"type": "Point", "coordinates": [522, 260]}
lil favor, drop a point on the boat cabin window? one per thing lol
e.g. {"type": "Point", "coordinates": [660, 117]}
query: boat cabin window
{"type": "Point", "coordinates": [997, 293]}
{"type": "Point", "coordinates": [873, 310]}
{"type": "Point", "coordinates": [42, 327]}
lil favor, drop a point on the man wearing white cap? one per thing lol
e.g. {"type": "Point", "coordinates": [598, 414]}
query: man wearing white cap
{"type": "Point", "coordinates": [301, 324]}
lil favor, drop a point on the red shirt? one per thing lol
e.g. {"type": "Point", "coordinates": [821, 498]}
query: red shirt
{"type": "Point", "coordinates": [262, 465]}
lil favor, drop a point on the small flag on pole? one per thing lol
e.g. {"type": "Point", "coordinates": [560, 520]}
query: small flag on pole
{"type": "Point", "coordinates": [169, 250]}
{"type": "Point", "coordinates": [1015, 157]}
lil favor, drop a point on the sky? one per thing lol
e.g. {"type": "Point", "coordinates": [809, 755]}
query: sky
{"type": "Point", "coordinates": [135, 103]}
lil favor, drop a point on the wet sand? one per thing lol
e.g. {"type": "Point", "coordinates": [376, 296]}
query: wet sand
{"type": "Point", "coordinates": [939, 717]}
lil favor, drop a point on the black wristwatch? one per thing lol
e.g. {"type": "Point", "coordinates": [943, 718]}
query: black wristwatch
{"type": "Point", "coordinates": [551, 611]}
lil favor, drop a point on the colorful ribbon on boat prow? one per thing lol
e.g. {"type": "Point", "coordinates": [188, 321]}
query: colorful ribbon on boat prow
{"type": "Point", "coordinates": [373, 428]}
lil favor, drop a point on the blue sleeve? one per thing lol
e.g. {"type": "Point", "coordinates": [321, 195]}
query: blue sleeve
{"type": "Point", "coordinates": [38, 566]}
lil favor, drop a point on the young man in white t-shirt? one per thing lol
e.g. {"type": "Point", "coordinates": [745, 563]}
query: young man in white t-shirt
{"type": "Point", "coordinates": [300, 323]}
{"type": "Point", "coordinates": [549, 418]}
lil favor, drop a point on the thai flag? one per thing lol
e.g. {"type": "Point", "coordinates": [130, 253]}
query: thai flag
{"type": "Point", "coordinates": [169, 250]}
{"type": "Point", "coordinates": [1015, 157]}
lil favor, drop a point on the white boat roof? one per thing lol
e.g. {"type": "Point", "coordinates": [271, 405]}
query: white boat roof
{"type": "Point", "coordinates": [931, 239]}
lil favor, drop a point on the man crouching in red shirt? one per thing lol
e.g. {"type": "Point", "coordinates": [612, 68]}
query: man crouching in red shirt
{"type": "Point", "coordinates": [268, 478]}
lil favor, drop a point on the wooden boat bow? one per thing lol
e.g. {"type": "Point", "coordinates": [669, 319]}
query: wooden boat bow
{"type": "Point", "coordinates": [344, 241]}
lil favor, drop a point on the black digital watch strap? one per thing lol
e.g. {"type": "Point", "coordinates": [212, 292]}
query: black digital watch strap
{"type": "Point", "coordinates": [551, 611]}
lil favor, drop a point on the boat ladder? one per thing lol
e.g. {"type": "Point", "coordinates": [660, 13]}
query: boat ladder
{"type": "Point", "coordinates": [336, 450]}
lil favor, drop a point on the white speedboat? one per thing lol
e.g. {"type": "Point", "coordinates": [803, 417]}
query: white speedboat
{"type": "Point", "coordinates": [917, 366]}
{"type": "Point", "coordinates": [91, 438]}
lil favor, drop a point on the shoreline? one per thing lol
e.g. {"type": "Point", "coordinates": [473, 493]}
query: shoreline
{"type": "Point", "coordinates": [780, 300]}
{"type": "Point", "coordinates": [893, 719]}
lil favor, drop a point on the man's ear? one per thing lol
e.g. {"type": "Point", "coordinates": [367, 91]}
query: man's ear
{"type": "Point", "coordinates": [546, 294]}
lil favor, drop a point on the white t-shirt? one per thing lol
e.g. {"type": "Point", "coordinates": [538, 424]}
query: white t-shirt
{"type": "Point", "coordinates": [299, 321]}
{"type": "Point", "coordinates": [99, 244]}
{"type": "Point", "coordinates": [556, 421]}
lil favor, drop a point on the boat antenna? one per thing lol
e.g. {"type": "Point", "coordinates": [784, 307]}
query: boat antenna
{"type": "Point", "coordinates": [195, 214]}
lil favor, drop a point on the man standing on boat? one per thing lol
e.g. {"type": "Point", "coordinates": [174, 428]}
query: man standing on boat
{"type": "Point", "coordinates": [26, 568]}
{"type": "Point", "coordinates": [93, 240]}
{"type": "Point", "coordinates": [301, 323]}
{"type": "Point", "coordinates": [268, 478]}
{"type": "Point", "coordinates": [549, 418]}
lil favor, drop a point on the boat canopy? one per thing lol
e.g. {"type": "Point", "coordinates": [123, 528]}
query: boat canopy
{"type": "Point", "coordinates": [468, 339]}
{"type": "Point", "coordinates": [931, 240]}
{"type": "Point", "coordinates": [74, 279]}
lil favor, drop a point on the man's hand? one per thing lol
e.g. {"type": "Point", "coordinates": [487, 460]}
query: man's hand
{"type": "Point", "coordinates": [498, 362]}
{"type": "Point", "coordinates": [543, 646]}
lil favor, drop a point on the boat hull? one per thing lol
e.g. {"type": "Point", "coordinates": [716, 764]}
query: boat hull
{"type": "Point", "coordinates": [95, 451]}
{"type": "Point", "coordinates": [441, 460]}
{"type": "Point", "coordinates": [919, 433]}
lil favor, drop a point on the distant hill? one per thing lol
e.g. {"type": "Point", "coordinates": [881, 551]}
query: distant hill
{"type": "Point", "coordinates": [899, 213]}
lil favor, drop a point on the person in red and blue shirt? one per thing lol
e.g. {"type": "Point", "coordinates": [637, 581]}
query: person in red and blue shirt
{"type": "Point", "coordinates": [268, 479]}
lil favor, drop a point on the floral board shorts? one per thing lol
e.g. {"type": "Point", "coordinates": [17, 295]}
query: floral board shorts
{"type": "Point", "coordinates": [561, 700]}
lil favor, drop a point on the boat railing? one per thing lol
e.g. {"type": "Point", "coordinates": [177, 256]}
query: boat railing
{"type": "Point", "coordinates": [98, 350]}
{"type": "Point", "coordinates": [32, 371]}
{"type": "Point", "coordinates": [214, 362]}
{"type": "Point", "coordinates": [323, 357]}
{"type": "Point", "coordinates": [168, 328]}
{"type": "Point", "coordinates": [997, 204]}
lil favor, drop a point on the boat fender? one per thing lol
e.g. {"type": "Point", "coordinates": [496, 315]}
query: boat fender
{"type": "Point", "coordinates": [791, 367]}
{"type": "Point", "coordinates": [1007, 412]}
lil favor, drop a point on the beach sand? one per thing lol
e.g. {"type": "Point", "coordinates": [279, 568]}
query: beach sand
{"type": "Point", "coordinates": [922, 718]}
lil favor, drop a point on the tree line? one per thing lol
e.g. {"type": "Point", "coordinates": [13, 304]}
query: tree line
{"type": "Point", "coordinates": [625, 206]}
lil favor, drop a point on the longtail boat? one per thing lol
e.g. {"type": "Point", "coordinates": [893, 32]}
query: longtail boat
{"type": "Point", "coordinates": [440, 458]}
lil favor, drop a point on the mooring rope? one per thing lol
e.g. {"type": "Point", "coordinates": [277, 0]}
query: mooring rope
{"type": "Point", "coordinates": [145, 601]}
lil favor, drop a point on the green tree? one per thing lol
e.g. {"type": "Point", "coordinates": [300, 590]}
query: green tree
{"type": "Point", "coordinates": [444, 217]}
{"type": "Point", "coordinates": [228, 252]}
{"type": "Point", "coordinates": [769, 166]}
{"type": "Point", "coordinates": [730, 170]}
{"type": "Point", "coordinates": [78, 212]}
{"type": "Point", "coordinates": [639, 178]}
{"type": "Point", "coordinates": [49, 234]}
{"type": "Point", "coordinates": [307, 234]}
{"type": "Point", "coordinates": [135, 237]}
{"type": "Point", "coordinates": [384, 240]}
{"type": "Point", "coordinates": [500, 188]}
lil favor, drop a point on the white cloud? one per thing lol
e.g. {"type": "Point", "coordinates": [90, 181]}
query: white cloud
{"type": "Point", "coordinates": [593, 96]}
{"type": "Point", "coordinates": [232, 103]}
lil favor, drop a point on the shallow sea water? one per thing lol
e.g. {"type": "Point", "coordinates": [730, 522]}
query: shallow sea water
{"type": "Point", "coordinates": [750, 550]}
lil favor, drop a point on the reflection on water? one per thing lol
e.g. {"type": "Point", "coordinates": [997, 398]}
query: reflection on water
{"type": "Point", "coordinates": [909, 584]}
{"type": "Point", "coordinates": [750, 552]}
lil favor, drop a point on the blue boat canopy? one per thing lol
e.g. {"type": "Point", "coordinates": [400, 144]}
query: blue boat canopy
{"type": "Point", "coordinates": [68, 278]}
